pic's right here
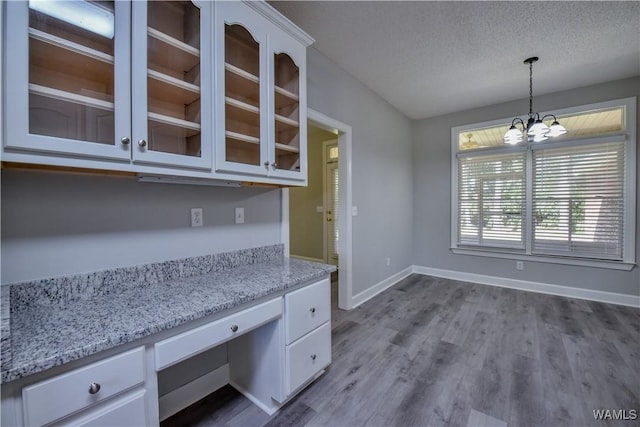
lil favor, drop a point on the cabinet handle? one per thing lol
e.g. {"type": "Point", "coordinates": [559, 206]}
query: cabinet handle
{"type": "Point", "coordinates": [312, 309]}
{"type": "Point", "coordinates": [142, 143]}
{"type": "Point", "coordinates": [94, 388]}
{"type": "Point", "coordinates": [125, 140]}
{"type": "Point", "coordinates": [234, 328]}
{"type": "Point", "coordinates": [266, 164]}
{"type": "Point", "coordinates": [313, 357]}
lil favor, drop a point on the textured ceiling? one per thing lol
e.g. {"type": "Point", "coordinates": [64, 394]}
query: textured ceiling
{"type": "Point", "coordinates": [431, 58]}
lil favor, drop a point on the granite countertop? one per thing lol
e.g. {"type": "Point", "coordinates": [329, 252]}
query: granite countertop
{"type": "Point", "coordinates": [41, 336]}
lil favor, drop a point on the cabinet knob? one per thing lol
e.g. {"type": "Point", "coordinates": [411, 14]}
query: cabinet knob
{"type": "Point", "coordinates": [142, 143]}
{"type": "Point", "coordinates": [313, 357]}
{"type": "Point", "coordinates": [312, 309]}
{"type": "Point", "coordinates": [234, 328]}
{"type": "Point", "coordinates": [94, 388]}
{"type": "Point", "coordinates": [266, 164]}
{"type": "Point", "coordinates": [125, 140]}
{"type": "Point", "coordinates": [274, 165]}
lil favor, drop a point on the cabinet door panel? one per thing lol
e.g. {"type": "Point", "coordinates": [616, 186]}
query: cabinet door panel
{"type": "Point", "coordinates": [288, 124]}
{"type": "Point", "coordinates": [68, 82]}
{"type": "Point", "coordinates": [172, 91]}
{"type": "Point", "coordinates": [241, 65]}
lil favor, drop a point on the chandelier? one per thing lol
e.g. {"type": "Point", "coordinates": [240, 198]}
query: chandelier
{"type": "Point", "coordinates": [535, 129]}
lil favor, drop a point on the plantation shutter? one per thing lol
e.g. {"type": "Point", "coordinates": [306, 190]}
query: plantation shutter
{"type": "Point", "coordinates": [491, 200]}
{"type": "Point", "coordinates": [578, 201]}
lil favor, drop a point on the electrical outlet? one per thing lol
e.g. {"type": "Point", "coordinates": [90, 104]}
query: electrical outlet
{"type": "Point", "coordinates": [519, 265]}
{"type": "Point", "coordinates": [239, 218]}
{"type": "Point", "coordinates": [196, 217]}
{"type": "Point", "coordinates": [388, 261]}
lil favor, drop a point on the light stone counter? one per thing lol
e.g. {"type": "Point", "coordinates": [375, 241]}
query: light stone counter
{"type": "Point", "coordinates": [55, 321]}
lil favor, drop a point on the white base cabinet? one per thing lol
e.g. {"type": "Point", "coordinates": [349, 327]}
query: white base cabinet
{"type": "Point", "coordinates": [274, 349]}
{"type": "Point", "coordinates": [307, 334]}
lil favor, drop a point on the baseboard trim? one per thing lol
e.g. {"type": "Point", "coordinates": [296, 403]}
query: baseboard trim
{"type": "Point", "coordinates": [190, 393]}
{"type": "Point", "coordinates": [525, 285]}
{"type": "Point", "coordinates": [306, 258]}
{"type": "Point", "coordinates": [379, 287]}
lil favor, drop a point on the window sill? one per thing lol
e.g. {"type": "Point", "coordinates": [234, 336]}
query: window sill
{"type": "Point", "coordinates": [613, 265]}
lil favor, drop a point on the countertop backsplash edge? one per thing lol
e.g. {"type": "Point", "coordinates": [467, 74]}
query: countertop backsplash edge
{"type": "Point", "coordinates": [87, 285]}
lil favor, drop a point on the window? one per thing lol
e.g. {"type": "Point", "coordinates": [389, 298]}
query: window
{"type": "Point", "coordinates": [571, 200]}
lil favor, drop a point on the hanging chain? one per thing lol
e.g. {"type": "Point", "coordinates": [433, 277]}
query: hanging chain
{"type": "Point", "coordinates": [531, 89]}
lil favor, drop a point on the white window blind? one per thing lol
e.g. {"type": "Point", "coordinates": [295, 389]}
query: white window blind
{"type": "Point", "coordinates": [578, 201]}
{"type": "Point", "coordinates": [491, 200]}
{"type": "Point", "coordinates": [335, 189]}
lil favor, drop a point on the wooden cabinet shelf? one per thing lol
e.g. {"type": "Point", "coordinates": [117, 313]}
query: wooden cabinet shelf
{"type": "Point", "coordinates": [70, 97]}
{"type": "Point", "coordinates": [69, 67]}
{"type": "Point", "coordinates": [288, 148]}
{"type": "Point", "coordinates": [240, 137]}
{"type": "Point", "coordinates": [162, 86]}
{"type": "Point", "coordinates": [171, 56]}
{"type": "Point", "coordinates": [193, 127]}
{"type": "Point", "coordinates": [70, 46]}
{"type": "Point", "coordinates": [242, 85]}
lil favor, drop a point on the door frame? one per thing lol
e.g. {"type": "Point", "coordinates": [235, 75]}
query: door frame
{"type": "Point", "coordinates": [325, 189]}
{"type": "Point", "coordinates": [345, 244]}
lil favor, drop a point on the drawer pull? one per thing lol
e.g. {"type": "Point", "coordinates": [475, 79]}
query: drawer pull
{"type": "Point", "coordinates": [234, 328]}
{"type": "Point", "coordinates": [94, 388]}
{"type": "Point", "coordinates": [312, 309]}
{"type": "Point", "coordinates": [313, 357]}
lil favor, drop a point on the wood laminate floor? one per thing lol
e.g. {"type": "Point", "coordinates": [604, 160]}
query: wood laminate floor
{"type": "Point", "coordinates": [438, 352]}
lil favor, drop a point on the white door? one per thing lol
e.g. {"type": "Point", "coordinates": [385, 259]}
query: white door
{"type": "Point", "coordinates": [331, 191]}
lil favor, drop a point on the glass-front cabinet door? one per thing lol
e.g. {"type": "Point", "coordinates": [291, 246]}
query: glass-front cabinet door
{"type": "Point", "coordinates": [68, 72]}
{"type": "Point", "coordinates": [288, 124]}
{"type": "Point", "coordinates": [242, 110]}
{"type": "Point", "coordinates": [261, 120]}
{"type": "Point", "coordinates": [172, 90]}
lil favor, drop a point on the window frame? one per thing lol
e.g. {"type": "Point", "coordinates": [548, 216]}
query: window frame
{"type": "Point", "coordinates": [628, 134]}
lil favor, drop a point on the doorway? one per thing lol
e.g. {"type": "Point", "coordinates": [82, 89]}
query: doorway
{"type": "Point", "coordinates": [302, 224]}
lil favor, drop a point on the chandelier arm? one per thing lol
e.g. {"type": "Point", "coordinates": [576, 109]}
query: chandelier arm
{"type": "Point", "coordinates": [550, 115]}
{"type": "Point", "coordinates": [518, 120]}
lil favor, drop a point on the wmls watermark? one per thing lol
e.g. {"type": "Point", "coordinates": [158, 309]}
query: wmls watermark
{"type": "Point", "coordinates": [616, 414]}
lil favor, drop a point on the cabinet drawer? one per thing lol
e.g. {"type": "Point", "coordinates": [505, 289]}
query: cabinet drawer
{"type": "Point", "coordinates": [187, 344]}
{"type": "Point", "coordinates": [125, 412]}
{"type": "Point", "coordinates": [58, 397]}
{"type": "Point", "coordinates": [308, 356]}
{"type": "Point", "coordinates": [306, 309]}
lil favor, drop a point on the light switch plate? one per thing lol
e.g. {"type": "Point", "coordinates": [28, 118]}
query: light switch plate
{"type": "Point", "coordinates": [354, 211]}
{"type": "Point", "coordinates": [319, 209]}
{"type": "Point", "coordinates": [239, 218]}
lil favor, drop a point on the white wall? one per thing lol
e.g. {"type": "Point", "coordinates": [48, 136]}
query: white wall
{"type": "Point", "coordinates": [432, 195]}
{"type": "Point", "coordinates": [56, 224]}
{"type": "Point", "coordinates": [381, 169]}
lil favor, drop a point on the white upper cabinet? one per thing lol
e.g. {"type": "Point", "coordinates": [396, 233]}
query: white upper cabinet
{"type": "Point", "coordinates": [195, 89]}
{"type": "Point", "coordinates": [80, 82]}
{"type": "Point", "coordinates": [67, 87]}
{"type": "Point", "coordinates": [261, 70]}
